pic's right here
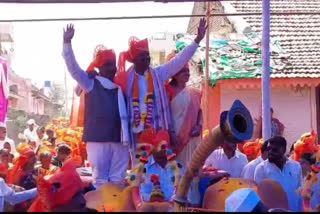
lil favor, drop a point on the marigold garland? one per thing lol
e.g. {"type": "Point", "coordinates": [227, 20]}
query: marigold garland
{"type": "Point", "coordinates": [138, 117]}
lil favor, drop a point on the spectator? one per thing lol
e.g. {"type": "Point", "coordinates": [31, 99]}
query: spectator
{"type": "Point", "coordinates": [4, 139]}
{"type": "Point", "coordinates": [23, 172]}
{"type": "Point", "coordinates": [306, 161]}
{"type": "Point", "coordinates": [33, 144]}
{"type": "Point", "coordinates": [158, 165]}
{"type": "Point", "coordinates": [40, 136]}
{"type": "Point", "coordinates": [7, 146]}
{"type": "Point", "coordinates": [63, 154]}
{"type": "Point", "coordinates": [31, 132]}
{"type": "Point", "coordinates": [248, 170]}
{"type": "Point", "coordinates": [286, 172]}
{"type": "Point", "coordinates": [46, 168]}
{"type": "Point", "coordinates": [11, 157]}
{"type": "Point", "coordinates": [229, 159]}
{"type": "Point", "coordinates": [51, 137]}
{"type": "Point", "coordinates": [4, 162]}
{"type": "Point", "coordinates": [277, 128]}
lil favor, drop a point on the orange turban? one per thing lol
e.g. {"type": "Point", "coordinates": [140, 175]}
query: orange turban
{"type": "Point", "coordinates": [252, 149]}
{"type": "Point", "coordinates": [306, 144]}
{"type": "Point", "coordinates": [25, 152]}
{"type": "Point", "coordinates": [136, 47]}
{"type": "Point", "coordinates": [58, 189]}
{"type": "Point", "coordinates": [101, 58]}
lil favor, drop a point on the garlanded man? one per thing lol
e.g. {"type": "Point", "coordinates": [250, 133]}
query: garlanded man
{"type": "Point", "coordinates": [143, 86]}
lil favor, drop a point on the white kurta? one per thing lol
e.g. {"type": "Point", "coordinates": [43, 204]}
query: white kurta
{"type": "Point", "coordinates": [248, 170]}
{"type": "Point", "coordinates": [290, 178]}
{"type": "Point", "coordinates": [234, 166]}
{"type": "Point", "coordinates": [31, 135]}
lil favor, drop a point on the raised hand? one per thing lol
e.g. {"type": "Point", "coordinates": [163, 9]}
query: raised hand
{"type": "Point", "coordinates": [202, 28]}
{"type": "Point", "coordinates": [68, 33]}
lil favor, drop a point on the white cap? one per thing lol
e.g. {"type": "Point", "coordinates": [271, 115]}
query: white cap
{"type": "Point", "coordinates": [242, 200]}
{"type": "Point", "coordinates": [31, 121]}
{"type": "Point", "coordinates": [2, 125]}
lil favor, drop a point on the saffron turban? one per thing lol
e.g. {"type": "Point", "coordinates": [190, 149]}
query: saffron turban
{"type": "Point", "coordinates": [136, 47]}
{"type": "Point", "coordinates": [25, 153]}
{"type": "Point", "coordinates": [306, 144]}
{"type": "Point", "coordinates": [252, 149]}
{"type": "Point", "coordinates": [101, 57]}
{"type": "Point", "coordinates": [58, 189]}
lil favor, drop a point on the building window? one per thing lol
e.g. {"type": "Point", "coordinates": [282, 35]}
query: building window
{"type": "Point", "coordinates": [13, 89]}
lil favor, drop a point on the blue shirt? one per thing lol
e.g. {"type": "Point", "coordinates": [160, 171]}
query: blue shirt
{"type": "Point", "coordinates": [165, 174]}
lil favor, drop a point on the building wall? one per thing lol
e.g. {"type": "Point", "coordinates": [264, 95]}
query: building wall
{"type": "Point", "coordinates": [295, 108]}
{"type": "Point", "coordinates": [161, 45]}
{"type": "Point", "coordinates": [25, 102]}
{"type": "Point", "coordinates": [219, 25]}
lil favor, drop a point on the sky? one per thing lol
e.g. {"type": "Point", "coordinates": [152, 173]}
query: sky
{"type": "Point", "coordinates": [38, 45]}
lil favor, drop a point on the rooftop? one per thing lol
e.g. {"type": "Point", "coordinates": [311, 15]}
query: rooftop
{"type": "Point", "coordinates": [295, 39]}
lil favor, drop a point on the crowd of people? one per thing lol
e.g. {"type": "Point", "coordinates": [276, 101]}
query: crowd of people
{"type": "Point", "coordinates": [139, 128]}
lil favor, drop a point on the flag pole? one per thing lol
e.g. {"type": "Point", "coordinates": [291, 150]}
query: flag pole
{"type": "Point", "coordinates": [266, 106]}
{"type": "Point", "coordinates": [206, 86]}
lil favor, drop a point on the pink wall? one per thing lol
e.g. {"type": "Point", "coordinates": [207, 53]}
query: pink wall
{"type": "Point", "coordinates": [295, 108]}
{"type": "Point", "coordinates": [26, 102]}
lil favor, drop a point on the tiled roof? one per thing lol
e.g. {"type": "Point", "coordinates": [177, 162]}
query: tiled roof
{"type": "Point", "coordinates": [238, 56]}
{"type": "Point", "coordinates": [299, 35]}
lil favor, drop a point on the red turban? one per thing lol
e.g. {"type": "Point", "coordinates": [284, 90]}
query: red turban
{"type": "Point", "coordinates": [151, 141]}
{"type": "Point", "coordinates": [58, 189]}
{"type": "Point", "coordinates": [101, 58]}
{"type": "Point", "coordinates": [136, 47]}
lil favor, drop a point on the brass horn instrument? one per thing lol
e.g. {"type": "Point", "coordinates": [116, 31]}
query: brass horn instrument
{"type": "Point", "coordinates": [236, 126]}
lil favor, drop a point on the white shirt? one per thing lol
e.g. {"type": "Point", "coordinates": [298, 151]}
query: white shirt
{"type": "Point", "coordinates": [30, 135]}
{"type": "Point", "coordinates": [234, 166]}
{"type": "Point", "coordinates": [11, 142]}
{"type": "Point", "coordinates": [7, 194]}
{"type": "Point", "coordinates": [290, 178]}
{"type": "Point", "coordinates": [248, 170]}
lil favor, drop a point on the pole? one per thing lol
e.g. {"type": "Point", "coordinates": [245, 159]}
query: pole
{"type": "Point", "coordinates": [207, 69]}
{"type": "Point", "coordinates": [266, 113]}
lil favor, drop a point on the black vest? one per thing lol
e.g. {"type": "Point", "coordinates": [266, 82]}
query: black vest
{"type": "Point", "coordinates": [102, 121]}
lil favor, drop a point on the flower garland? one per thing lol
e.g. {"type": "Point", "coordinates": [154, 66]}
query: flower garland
{"type": "Point", "coordinates": [144, 118]}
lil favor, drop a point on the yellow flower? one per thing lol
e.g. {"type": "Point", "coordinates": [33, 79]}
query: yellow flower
{"type": "Point", "coordinates": [143, 117]}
